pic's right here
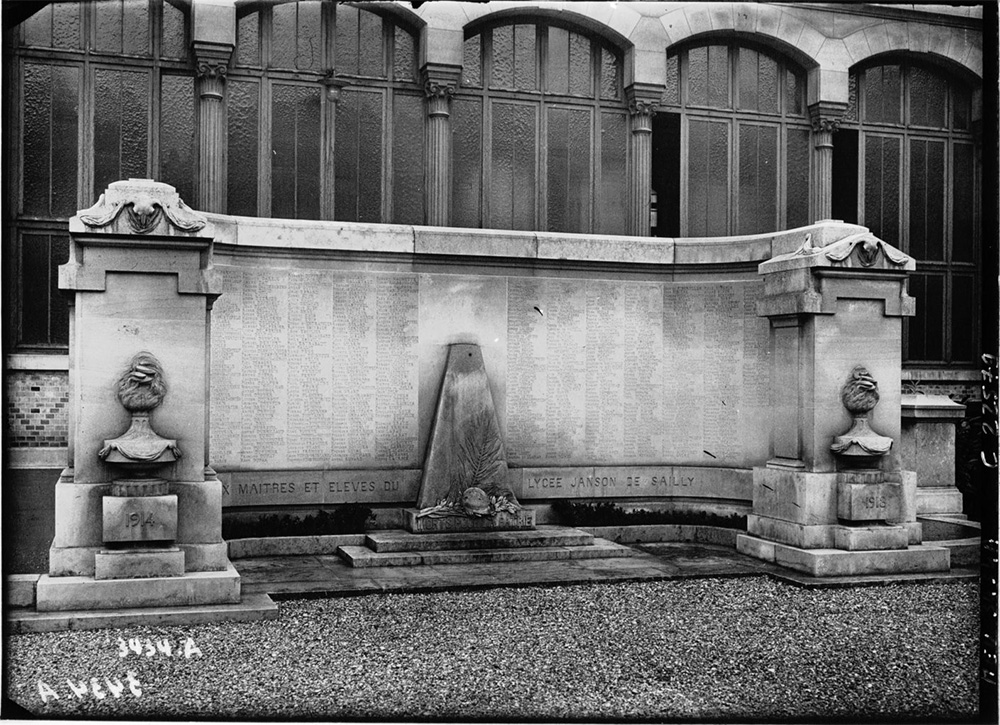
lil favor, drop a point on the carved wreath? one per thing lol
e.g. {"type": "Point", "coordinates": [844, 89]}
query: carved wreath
{"type": "Point", "coordinates": [143, 213]}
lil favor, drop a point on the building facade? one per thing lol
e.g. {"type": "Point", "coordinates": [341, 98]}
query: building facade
{"type": "Point", "coordinates": [695, 120]}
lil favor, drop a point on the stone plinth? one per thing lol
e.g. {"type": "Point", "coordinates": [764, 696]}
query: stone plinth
{"type": "Point", "coordinates": [138, 521]}
{"type": "Point", "coordinates": [833, 499]}
{"type": "Point", "coordinates": [927, 446]}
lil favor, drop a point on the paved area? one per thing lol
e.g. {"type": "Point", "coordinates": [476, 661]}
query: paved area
{"type": "Point", "coordinates": [286, 577]}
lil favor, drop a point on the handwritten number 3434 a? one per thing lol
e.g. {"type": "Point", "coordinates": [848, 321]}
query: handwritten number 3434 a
{"type": "Point", "coordinates": [149, 649]}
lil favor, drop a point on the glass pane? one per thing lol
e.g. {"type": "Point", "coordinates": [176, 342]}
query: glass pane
{"type": "Point", "coordinates": [471, 68]}
{"type": "Point", "coordinates": [697, 81]}
{"type": "Point", "coordinates": [558, 69]}
{"type": "Point", "coordinates": [883, 94]}
{"type": "Point", "coordinates": [525, 65]}
{"type": "Point", "coordinates": [918, 199]}
{"type": "Point", "coordinates": [242, 115]}
{"type": "Point", "coordinates": [610, 73]}
{"type": "Point", "coordinates": [358, 161]}
{"type": "Point", "coordinates": [793, 92]}
{"type": "Point", "coordinates": [718, 76]}
{"type": "Point", "coordinates": [136, 27]}
{"type": "Point", "coordinates": [308, 41]}
{"type": "Point", "coordinates": [283, 29]}
{"type": "Point", "coordinates": [512, 178]}
{"type": "Point", "coordinates": [66, 25]}
{"type": "Point", "coordinates": [961, 101]}
{"type": "Point", "coordinates": [613, 198]}
{"type": "Point", "coordinates": [568, 170]}
{"type": "Point", "coordinates": [36, 139]}
{"type": "Point", "coordinates": [347, 40]}
{"type": "Point", "coordinates": [930, 316]}
{"type": "Point", "coordinates": [36, 295]}
{"type": "Point", "coordinates": [852, 98]}
{"type": "Point", "coordinates": [580, 81]}
{"type": "Point", "coordinates": [404, 56]}
{"type": "Point", "coordinates": [65, 139]}
{"type": "Point", "coordinates": [963, 318]}
{"type": "Point", "coordinates": [121, 130]}
{"type": "Point", "coordinates": [882, 171]}
{"type": "Point", "coordinates": [797, 178]}
{"type": "Point", "coordinates": [928, 98]}
{"type": "Point", "coordinates": [38, 28]}
{"type": "Point", "coordinates": [172, 41]}
{"type": "Point", "coordinates": [108, 34]}
{"type": "Point", "coordinates": [466, 126]}
{"type": "Point", "coordinates": [672, 95]}
{"type": "Point", "coordinates": [768, 78]}
{"type": "Point", "coordinates": [295, 120]}
{"type": "Point", "coordinates": [758, 179]}
{"type": "Point", "coordinates": [177, 153]}
{"type": "Point", "coordinates": [371, 60]}
{"type": "Point", "coordinates": [927, 177]}
{"type": "Point", "coordinates": [248, 40]}
{"type": "Point", "coordinates": [408, 160]}
{"type": "Point", "coordinates": [750, 82]}
{"type": "Point", "coordinates": [708, 178]}
{"type": "Point", "coordinates": [963, 228]}
{"type": "Point", "coordinates": [503, 57]}
{"type": "Point", "coordinates": [58, 307]}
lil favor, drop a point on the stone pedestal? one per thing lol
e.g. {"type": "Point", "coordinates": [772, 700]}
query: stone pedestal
{"type": "Point", "coordinates": [833, 499]}
{"type": "Point", "coordinates": [927, 446]}
{"type": "Point", "coordinates": [141, 280]}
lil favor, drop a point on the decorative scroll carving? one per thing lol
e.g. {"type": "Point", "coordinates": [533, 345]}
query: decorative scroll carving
{"type": "Point", "coordinates": [825, 125]}
{"type": "Point", "coordinates": [860, 396]}
{"type": "Point", "coordinates": [439, 89]}
{"type": "Point", "coordinates": [643, 107]}
{"type": "Point", "coordinates": [866, 246]}
{"type": "Point", "coordinates": [212, 70]}
{"type": "Point", "coordinates": [826, 116]}
{"type": "Point", "coordinates": [141, 389]}
{"type": "Point", "coordinates": [143, 210]}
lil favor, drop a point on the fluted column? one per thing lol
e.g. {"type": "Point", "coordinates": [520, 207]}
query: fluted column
{"type": "Point", "coordinates": [440, 82]}
{"type": "Point", "coordinates": [212, 64]}
{"type": "Point", "coordinates": [826, 117]}
{"type": "Point", "coordinates": [643, 101]}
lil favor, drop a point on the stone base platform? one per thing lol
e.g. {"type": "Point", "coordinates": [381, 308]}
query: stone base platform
{"type": "Point", "coordinates": [139, 564]}
{"type": "Point", "coordinates": [939, 500]}
{"type": "Point", "coordinates": [835, 562]}
{"type": "Point", "coordinates": [523, 520]}
{"type": "Point", "coordinates": [69, 593]}
{"type": "Point", "coordinates": [251, 607]}
{"type": "Point", "coordinates": [547, 543]}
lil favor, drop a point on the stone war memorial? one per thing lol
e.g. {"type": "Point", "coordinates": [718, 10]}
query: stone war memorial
{"type": "Point", "coordinates": [459, 382]}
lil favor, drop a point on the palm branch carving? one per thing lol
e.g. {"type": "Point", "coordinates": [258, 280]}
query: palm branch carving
{"type": "Point", "coordinates": [481, 453]}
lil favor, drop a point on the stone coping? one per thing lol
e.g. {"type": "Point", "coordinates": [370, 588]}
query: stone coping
{"type": "Point", "coordinates": [930, 406]}
{"type": "Point", "coordinates": [305, 235]}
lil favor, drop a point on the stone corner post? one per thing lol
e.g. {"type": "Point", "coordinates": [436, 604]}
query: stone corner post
{"type": "Point", "coordinates": [834, 479]}
{"type": "Point", "coordinates": [643, 101]}
{"type": "Point", "coordinates": [140, 272]}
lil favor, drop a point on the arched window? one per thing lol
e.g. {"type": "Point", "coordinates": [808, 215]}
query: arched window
{"type": "Point", "coordinates": [731, 143]}
{"type": "Point", "coordinates": [905, 167]}
{"type": "Point", "coordinates": [539, 128]}
{"type": "Point", "coordinates": [101, 92]}
{"type": "Point", "coordinates": [277, 122]}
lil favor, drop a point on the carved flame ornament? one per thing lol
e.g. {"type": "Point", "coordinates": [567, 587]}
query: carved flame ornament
{"type": "Point", "coordinates": [141, 389]}
{"type": "Point", "coordinates": [860, 396]}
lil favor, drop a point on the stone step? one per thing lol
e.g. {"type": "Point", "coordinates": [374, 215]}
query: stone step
{"type": "Point", "coordinates": [362, 556]}
{"type": "Point", "coordinates": [399, 540]}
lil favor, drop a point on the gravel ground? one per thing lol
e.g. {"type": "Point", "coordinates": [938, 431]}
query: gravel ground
{"type": "Point", "coordinates": [748, 648]}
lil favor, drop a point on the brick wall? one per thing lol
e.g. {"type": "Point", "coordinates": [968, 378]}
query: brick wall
{"type": "Point", "coordinates": [37, 409]}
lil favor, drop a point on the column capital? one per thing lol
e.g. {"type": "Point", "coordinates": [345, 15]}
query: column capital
{"type": "Point", "coordinates": [644, 98]}
{"type": "Point", "coordinates": [440, 80]}
{"type": "Point", "coordinates": [826, 116]}
{"type": "Point", "coordinates": [211, 66]}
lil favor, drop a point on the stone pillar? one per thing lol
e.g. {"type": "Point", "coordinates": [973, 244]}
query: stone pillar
{"type": "Point", "coordinates": [826, 117]}
{"type": "Point", "coordinates": [643, 101]}
{"type": "Point", "coordinates": [440, 82]}
{"type": "Point", "coordinates": [928, 448]}
{"type": "Point", "coordinates": [213, 38]}
{"type": "Point", "coordinates": [141, 274]}
{"type": "Point", "coordinates": [836, 316]}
